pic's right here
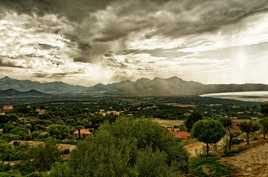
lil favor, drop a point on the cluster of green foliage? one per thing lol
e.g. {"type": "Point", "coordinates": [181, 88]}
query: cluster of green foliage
{"type": "Point", "coordinates": [192, 119]}
{"type": "Point", "coordinates": [58, 131]}
{"type": "Point", "coordinates": [129, 148]}
{"type": "Point", "coordinates": [249, 127]}
{"type": "Point", "coordinates": [208, 131]}
{"type": "Point", "coordinates": [208, 167]}
{"type": "Point", "coordinates": [264, 108]}
{"type": "Point", "coordinates": [264, 126]}
{"type": "Point", "coordinates": [227, 124]}
{"type": "Point", "coordinates": [10, 153]}
{"type": "Point", "coordinates": [30, 160]}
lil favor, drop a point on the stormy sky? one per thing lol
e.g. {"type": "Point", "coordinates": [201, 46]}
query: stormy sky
{"type": "Point", "coordinates": [103, 41]}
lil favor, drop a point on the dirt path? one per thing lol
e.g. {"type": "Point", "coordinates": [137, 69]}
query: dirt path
{"type": "Point", "coordinates": [251, 163]}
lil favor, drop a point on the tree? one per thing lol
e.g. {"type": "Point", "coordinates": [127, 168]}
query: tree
{"type": "Point", "coordinates": [60, 170]}
{"type": "Point", "coordinates": [192, 119]}
{"type": "Point", "coordinates": [264, 108]}
{"type": "Point", "coordinates": [79, 127]}
{"type": "Point", "coordinates": [58, 131]}
{"type": "Point", "coordinates": [44, 156]}
{"type": "Point", "coordinates": [208, 131]}
{"type": "Point", "coordinates": [227, 124]}
{"type": "Point", "coordinates": [249, 127]}
{"type": "Point", "coordinates": [129, 148]}
{"type": "Point", "coordinates": [264, 126]}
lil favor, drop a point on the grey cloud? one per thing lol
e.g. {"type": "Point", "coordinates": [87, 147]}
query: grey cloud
{"type": "Point", "coordinates": [100, 24]}
{"type": "Point", "coordinates": [155, 52]}
{"type": "Point", "coordinates": [115, 24]}
{"type": "Point", "coordinates": [105, 27]}
{"type": "Point", "coordinates": [5, 63]}
{"type": "Point", "coordinates": [55, 75]}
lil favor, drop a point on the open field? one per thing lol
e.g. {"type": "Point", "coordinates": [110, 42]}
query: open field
{"type": "Point", "coordinates": [250, 163]}
{"type": "Point", "coordinates": [168, 123]}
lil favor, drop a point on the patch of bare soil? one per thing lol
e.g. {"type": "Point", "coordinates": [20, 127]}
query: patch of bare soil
{"type": "Point", "coordinates": [250, 163]}
{"type": "Point", "coordinates": [168, 123]}
{"type": "Point", "coordinates": [194, 148]}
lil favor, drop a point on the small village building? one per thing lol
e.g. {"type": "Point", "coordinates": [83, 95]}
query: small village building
{"type": "Point", "coordinates": [182, 135]}
{"type": "Point", "coordinates": [179, 134]}
{"type": "Point", "coordinates": [113, 113]}
{"type": "Point", "coordinates": [7, 108]}
{"type": "Point", "coordinates": [185, 106]}
{"type": "Point", "coordinates": [83, 133]}
{"type": "Point", "coordinates": [108, 113]}
{"type": "Point", "coordinates": [66, 147]}
{"type": "Point", "coordinates": [40, 110]}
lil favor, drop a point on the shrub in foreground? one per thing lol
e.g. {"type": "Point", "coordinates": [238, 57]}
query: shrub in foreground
{"type": "Point", "coordinates": [129, 148]}
{"type": "Point", "coordinates": [208, 167]}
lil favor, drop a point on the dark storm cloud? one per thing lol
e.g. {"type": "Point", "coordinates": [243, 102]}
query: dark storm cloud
{"type": "Point", "coordinates": [103, 26]}
{"type": "Point", "coordinates": [4, 63]}
{"type": "Point", "coordinates": [156, 52]}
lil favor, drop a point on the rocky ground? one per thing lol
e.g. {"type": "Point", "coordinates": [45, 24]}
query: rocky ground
{"type": "Point", "coordinates": [250, 163]}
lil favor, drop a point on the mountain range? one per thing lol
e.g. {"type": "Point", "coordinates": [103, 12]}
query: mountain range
{"type": "Point", "coordinates": [50, 87]}
{"type": "Point", "coordinates": [15, 93]}
{"type": "Point", "coordinates": [173, 86]}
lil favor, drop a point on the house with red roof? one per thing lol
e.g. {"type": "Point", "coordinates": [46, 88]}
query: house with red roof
{"type": "Point", "coordinates": [180, 134]}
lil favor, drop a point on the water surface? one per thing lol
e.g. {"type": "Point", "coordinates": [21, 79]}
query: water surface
{"type": "Point", "coordinates": [256, 96]}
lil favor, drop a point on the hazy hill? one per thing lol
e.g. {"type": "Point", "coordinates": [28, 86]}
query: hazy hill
{"type": "Point", "coordinates": [173, 86]}
{"type": "Point", "coordinates": [159, 87]}
{"type": "Point", "coordinates": [51, 87]}
{"type": "Point", "coordinates": [15, 93]}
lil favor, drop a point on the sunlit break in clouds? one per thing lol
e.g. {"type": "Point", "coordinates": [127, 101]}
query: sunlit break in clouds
{"type": "Point", "coordinates": [87, 42]}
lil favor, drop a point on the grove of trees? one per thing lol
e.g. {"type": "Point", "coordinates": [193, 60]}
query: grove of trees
{"type": "Point", "coordinates": [264, 108]}
{"type": "Point", "coordinates": [264, 126]}
{"type": "Point", "coordinates": [249, 127]}
{"type": "Point", "coordinates": [129, 148]}
{"type": "Point", "coordinates": [192, 119]}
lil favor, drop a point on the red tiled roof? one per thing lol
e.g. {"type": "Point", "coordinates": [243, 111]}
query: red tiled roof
{"type": "Point", "coordinates": [182, 134]}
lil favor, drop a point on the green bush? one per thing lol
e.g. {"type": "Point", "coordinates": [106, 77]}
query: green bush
{"type": "Point", "coordinates": [21, 132]}
{"type": "Point", "coordinates": [6, 174]}
{"type": "Point", "coordinates": [4, 167]}
{"type": "Point", "coordinates": [192, 119]}
{"type": "Point", "coordinates": [59, 131]}
{"type": "Point", "coordinates": [9, 152]}
{"type": "Point", "coordinates": [208, 131]}
{"type": "Point", "coordinates": [249, 127]}
{"type": "Point", "coordinates": [264, 108]}
{"type": "Point", "coordinates": [264, 126]}
{"type": "Point", "coordinates": [208, 167]}
{"type": "Point", "coordinates": [60, 170]}
{"type": "Point", "coordinates": [35, 174]}
{"type": "Point", "coordinates": [129, 148]}
{"type": "Point", "coordinates": [42, 157]}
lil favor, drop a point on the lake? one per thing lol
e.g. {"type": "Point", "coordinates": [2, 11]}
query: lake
{"type": "Point", "coordinates": [256, 96]}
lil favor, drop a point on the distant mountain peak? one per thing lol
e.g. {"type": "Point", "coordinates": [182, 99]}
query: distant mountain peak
{"type": "Point", "coordinates": [6, 78]}
{"type": "Point", "coordinates": [174, 78]}
{"type": "Point", "coordinates": [14, 92]}
{"type": "Point", "coordinates": [157, 78]}
{"type": "Point", "coordinates": [143, 80]}
{"type": "Point", "coordinates": [48, 87]}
